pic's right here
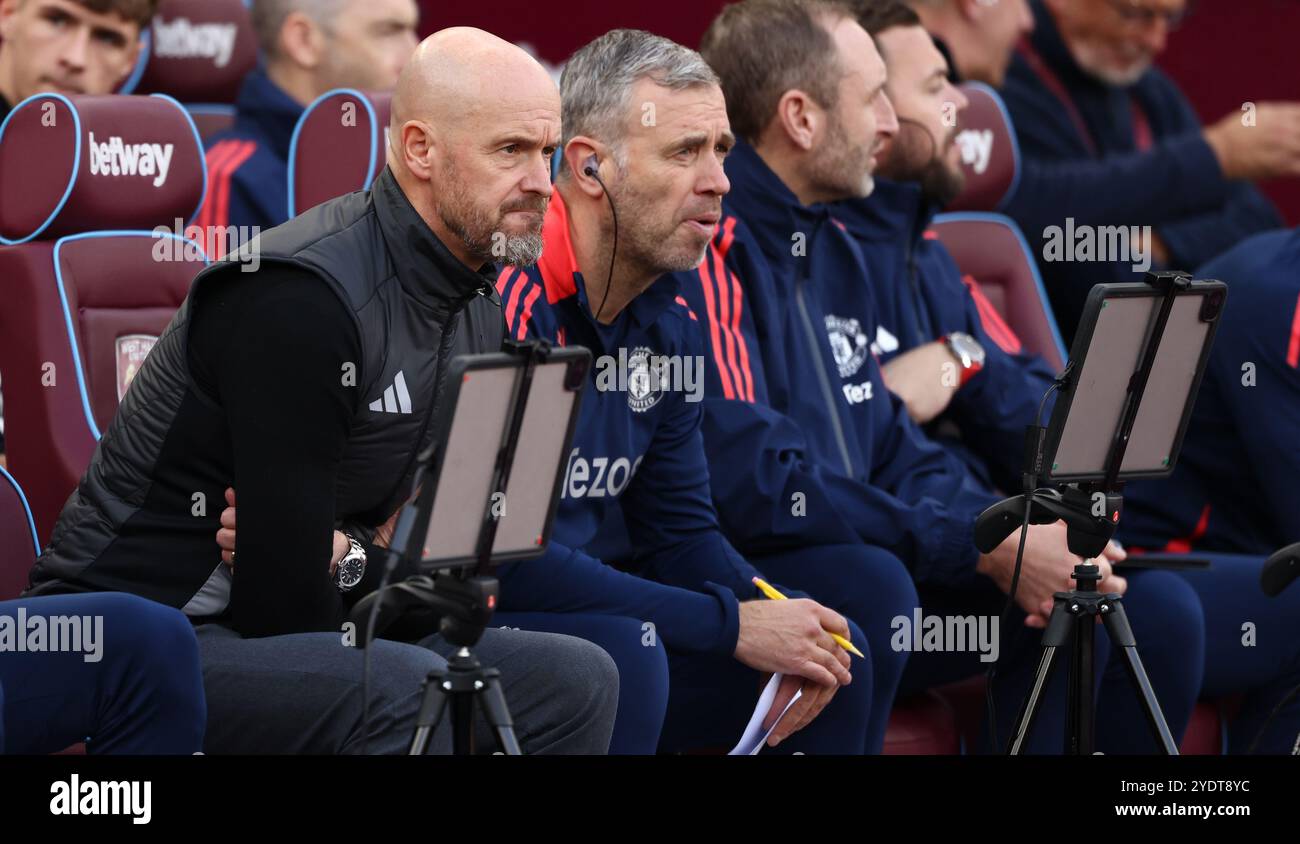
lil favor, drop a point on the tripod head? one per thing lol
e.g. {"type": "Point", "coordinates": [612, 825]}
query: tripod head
{"type": "Point", "coordinates": [1090, 515]}
{"type": "Point", "coordinates": [461, 605]}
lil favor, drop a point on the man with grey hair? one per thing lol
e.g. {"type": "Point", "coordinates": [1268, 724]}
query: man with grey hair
{"type": "Point", "coordinates": [638, 198]}
{"type": "Point", "coordinates": [308, 47]}
{"type": "Point", "coordinates": [1110, 140]}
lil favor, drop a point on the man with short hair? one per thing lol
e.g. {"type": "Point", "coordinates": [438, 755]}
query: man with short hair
{"type": "Point", "coordinates": [266, 382]}
{"type": "Point", "coordinates": [308, 47]}
{"type": "Point", "coordinates": [68, 46]}
{"type": "Point", "coordinates": [961, 373]}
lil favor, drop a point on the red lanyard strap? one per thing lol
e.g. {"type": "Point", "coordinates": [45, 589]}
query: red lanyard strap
{"type": "Point", "coordinates": [1142, 135]}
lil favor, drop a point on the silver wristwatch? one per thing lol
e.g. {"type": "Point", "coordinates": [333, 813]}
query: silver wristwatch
{"type": "Point", "coordinates": [351, 568]}
{"type": "Point", "coordinates": [968, 352]}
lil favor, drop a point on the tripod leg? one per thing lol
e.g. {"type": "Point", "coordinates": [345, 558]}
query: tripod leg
{"type": "Point", "coordinates": [1121, 634]}
{"type": "Point", "coordinates": [1056, 635]}
{"type": "Point", "coordinates": [462, 721]}
{"type": "Point", "coordinates": [432, 705]}
{"type": "Point", "coordinates": [498, 714]}
{"type": "Point", "coordinates": [1081, 708]}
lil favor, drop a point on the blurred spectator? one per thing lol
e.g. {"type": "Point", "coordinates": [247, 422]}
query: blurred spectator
{"type": "Point", "coordinates": [308, 47]}
{"type": "Point", "coordinates": [977, 37]}
{"type": "Point", "coordinates": [1119, 174]}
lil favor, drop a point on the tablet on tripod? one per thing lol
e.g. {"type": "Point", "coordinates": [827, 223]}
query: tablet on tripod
{"type": "Point", "coordinates": [1127, 394]}
{"type": "Point", "coordinates": [499, 456]}
{"type": "Point", "coordinates": [1109, 373]}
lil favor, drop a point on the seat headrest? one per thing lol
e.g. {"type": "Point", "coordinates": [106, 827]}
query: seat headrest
{"type": "Point", "coordinates": [340, 145]}
{"type": "Point", "coordinates": [199, 51]}
{"type": "Point", "coordinates": [92, 163]}
{"type": "Point", "coordinates": [990, 154]}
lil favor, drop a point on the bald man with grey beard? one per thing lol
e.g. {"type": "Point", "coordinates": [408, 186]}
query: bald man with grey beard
{"type": "Point", "coordinates": [306, 389]}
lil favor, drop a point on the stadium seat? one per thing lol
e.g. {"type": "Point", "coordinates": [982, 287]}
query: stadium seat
{"type": "Point", "coordinates": [990, 153]}
{"type": "Point", "coordinates": [1000, 272]}
{"type": "Point", "coordinates": [198, 51]}
{"type": "Point", "coordinates": [91, 269]}
{"type": "Point", "coordinates": [988, 247]}
{"type": "Point", "coordinates": [17, 538]}
{"type": "Point", "coordinates": [340, 145]}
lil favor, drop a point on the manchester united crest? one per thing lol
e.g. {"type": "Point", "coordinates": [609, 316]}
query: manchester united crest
{"type": "Point", "coordinates": [849, 344]}
{"type": "Point", "coordinates": [647, 379]}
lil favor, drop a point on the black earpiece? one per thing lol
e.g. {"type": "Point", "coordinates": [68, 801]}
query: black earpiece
{"type": "Point", "coordinates": [590, 168]}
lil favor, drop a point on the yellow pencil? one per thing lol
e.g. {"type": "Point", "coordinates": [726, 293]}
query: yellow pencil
{"type": "Point", "coordinates": [766, 589]}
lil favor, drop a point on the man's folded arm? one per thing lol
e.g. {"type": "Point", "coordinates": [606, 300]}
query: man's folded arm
{"type": "Point", "coordinates": [279, 379]}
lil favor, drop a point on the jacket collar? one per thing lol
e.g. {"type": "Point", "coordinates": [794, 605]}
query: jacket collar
{"type": "Point", "coordinates": [269, 110]}
{"type": "Point", "coordinates": [895, 211]}
{"type": "Point", "coordinates": [563, 279]}
{"type": "Point", "coordinates": [764, 202]}
{"type": "Point", "coordinates": [425, 267]}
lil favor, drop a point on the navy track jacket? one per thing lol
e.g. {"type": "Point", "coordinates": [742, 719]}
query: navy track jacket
{"type": "Point", "coordinates": [805, 444]}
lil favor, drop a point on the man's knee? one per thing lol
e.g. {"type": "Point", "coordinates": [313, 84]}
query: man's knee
{"type": "Point", "coordinates": [159, 642]}
{"type": "Point", "coordinates": [880, 579]}
{"type": "Point", "coordinates": [586, 677]}
{"type": "Point", "coordinates": [1165, 612]}
{"type": "Point", "coordinates": [132, 623]}
{"type": "Point", "coordinates": [635, 646]}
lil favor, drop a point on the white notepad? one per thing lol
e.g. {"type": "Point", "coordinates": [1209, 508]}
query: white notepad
{"type": "Point", "coordinates": [755, 736]}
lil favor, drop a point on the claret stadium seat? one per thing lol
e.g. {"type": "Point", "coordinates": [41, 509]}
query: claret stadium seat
{"type": "Point", "coordinates": [989, 247]}
{"type": "Point", "coordinates": [340, 145]}
{"type": "Point", "coordinates": [199, 52]}
{"type": "Point", "coordinates": [92, 269]}
{"type": "Point", "coordinates": [18, 543]}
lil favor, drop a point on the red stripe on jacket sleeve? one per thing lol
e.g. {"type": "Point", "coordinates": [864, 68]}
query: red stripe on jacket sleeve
{"type": "Point", "coordinates": [706, 282]}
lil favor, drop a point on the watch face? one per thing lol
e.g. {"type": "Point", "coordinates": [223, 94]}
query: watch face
{"type": "Point", "coordinates": [350, 572]}
{"type": "Point", "coordinates": [967, 346]}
